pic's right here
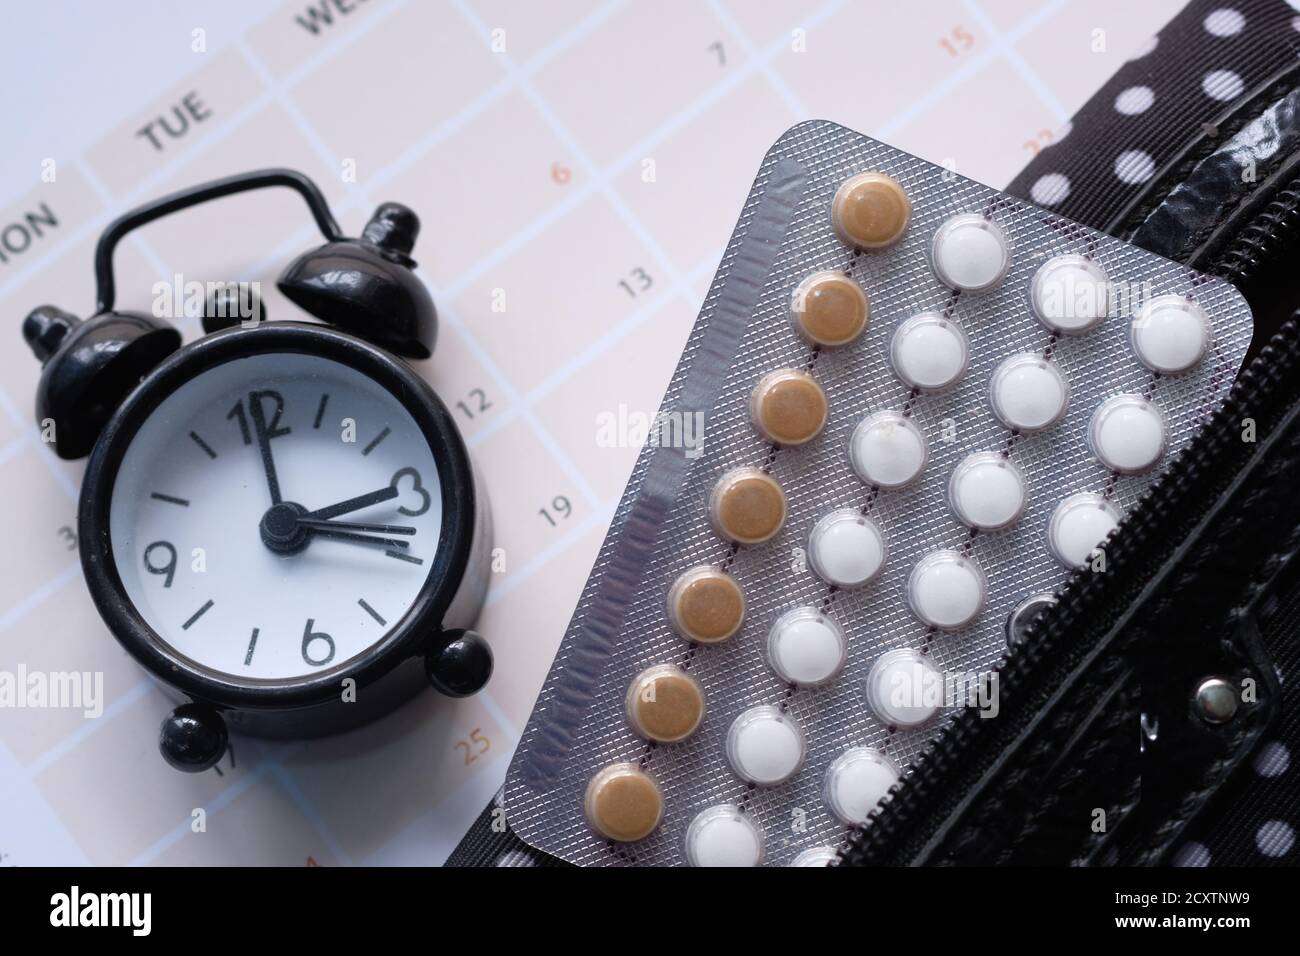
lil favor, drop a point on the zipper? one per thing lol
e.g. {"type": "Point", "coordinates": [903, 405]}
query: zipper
{"type": "Point", "coordinates": [1037, 666]}
{"type": "Point", "coordinates": [1259, 262]}
{"type": "Point", "coordinates": [1263, 241]}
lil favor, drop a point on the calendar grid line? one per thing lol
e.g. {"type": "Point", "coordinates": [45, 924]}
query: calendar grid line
{"type": "Point", "coordinates": [16, 612]}
{"type": "Point", "coordinates": [214, 806]}
{"type": "Point", "coordinates": [1008, 51]}
{"type": "Point", "coordinates": [681, 291]}
{"type": "Point", "coordinates": [763, 59]}
{"type": "Point", "coordinates": [12, 448]}
{"type": "Point", "coordinates": [290, 786]}
{"type": "Point", "coordinates": [979, 61]}
{"type": "Point", "coordinates": [29, 438]}
{"type": "Point", "coordinates": [70, 742]}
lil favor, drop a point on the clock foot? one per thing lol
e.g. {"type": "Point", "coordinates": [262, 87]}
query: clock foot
{"type": "Point", "coordinates": [458, 663]}
{"type": "Point", "coordinates": [193, 738]}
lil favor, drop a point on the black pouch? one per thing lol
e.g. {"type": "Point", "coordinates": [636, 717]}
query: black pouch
{"type": "Point", "coordinates": [1149, 717]}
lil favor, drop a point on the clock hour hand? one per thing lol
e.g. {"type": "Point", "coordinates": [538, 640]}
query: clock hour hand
{"type": "Point", "coordinates": [320, 525]}
{"type": "Point", "coordinates": [387, 493]}
{"type": "Point", "coordinates": [264, 444]}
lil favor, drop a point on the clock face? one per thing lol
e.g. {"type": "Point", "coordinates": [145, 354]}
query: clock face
{"type": "Point", "coordinates": [276, 516]}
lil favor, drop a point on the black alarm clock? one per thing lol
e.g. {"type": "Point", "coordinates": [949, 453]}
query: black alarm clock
{"type": "Point", "coordinates": [279, 521]}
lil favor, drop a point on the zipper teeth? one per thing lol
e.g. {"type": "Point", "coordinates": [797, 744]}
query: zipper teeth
{"type": "Point", "coordinates": [896, 825]}
{"type": "Point", "coordinates": [1263, 239]}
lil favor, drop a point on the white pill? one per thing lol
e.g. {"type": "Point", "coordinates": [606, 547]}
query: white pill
{"type": "Point", "coordinates": [1028, 392]}
{"type": "Point", "coordinates": [806, 647]}
{"type": "Point", "coordinates": [723, 836]}
{"type": "Point", "coordinates": [946, 590]}
{"type": "Point", "coordinates": [846, 548]}
{"type": "Point", "coordinates": [904, 689]}
{"type": "Point", "coordinates": [1170, 334]}
{"type": "Point", "coordinates": [986, 491]}
{"type": "Point", "coordinates": [816, 856]}
{"type": "Point", "coordinates": [1070, 294]}
{"type": "Point", "coordinates": [856, 781]}
{"type": "Point", "coordinates": [970, 253]}
{"type": "Point", "coordinates": [887, 450]}
{"type": "Point", "coordinates": [929, 352]}
{"type": "Point", "coordinates": [1127, 434]}
{"type": "Point", "coordinates": [1078, 525]}
{"type": "Point", "coordinates": [765, 746]}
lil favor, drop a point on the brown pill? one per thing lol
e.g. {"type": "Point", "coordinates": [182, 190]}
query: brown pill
{"type": "Point", "coordinates": [623, 803]}
{"type": "Point", "coordinates": [788, 407]}
{"type": "Point", "coordinates": [665, 704]}
{"type": "Point", "coordinates": [871, 211]}
{"type": "Point", "coordinates": [706, 605]}
{"type": "Point", "coordinates": [829, 308]}
{"type": "Point", "coordinates": [747, 506]}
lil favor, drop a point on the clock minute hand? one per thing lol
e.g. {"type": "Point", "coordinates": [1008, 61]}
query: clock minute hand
{"type": "Point", "coordinates": [354, 538]}
{"type": "Point", "coordinates": [319, 525]}
{"type": "Point", "coordinates": [354, 504]}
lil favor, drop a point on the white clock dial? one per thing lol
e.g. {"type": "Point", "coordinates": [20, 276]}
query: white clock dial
{"type": "Point", "coordinates": [252, 590]}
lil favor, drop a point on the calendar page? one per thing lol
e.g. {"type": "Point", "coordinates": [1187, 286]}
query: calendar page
{"type": "Point", "coordinates": [577, 167]}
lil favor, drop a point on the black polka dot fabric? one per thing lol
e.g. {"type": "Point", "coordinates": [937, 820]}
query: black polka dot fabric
{"type": "Point", "coordinates": [1204, 59]}
{"type": "Point", "coordinates": [1255, 818]}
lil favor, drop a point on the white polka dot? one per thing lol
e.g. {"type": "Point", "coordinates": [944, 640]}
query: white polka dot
{"type": "Point", "coordinates": [1222, 85]}
{"type": "Point", "coordinates": [1147, 48]}
{"type": "Point", "coordinates": [1275, 838]}
{"type": "Point", "coordinates": [1192, 854]}
{"type": "Point", "coordinates": [1134, 166]}
{"type": "Point", "coordinates": [1050, 189]}
{"type": "Point", "coordinates": [1134, 100]}
{"type": "Point", "coordinates": [1272, 760]}
{"type": "Point", "coordinates": [1224, 22]}
{"type": "Point", "coordinates": [1295, 24]}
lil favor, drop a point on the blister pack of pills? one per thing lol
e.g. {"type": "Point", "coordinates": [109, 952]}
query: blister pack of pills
{"type": "Point", "coordinates": [924, 403]}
